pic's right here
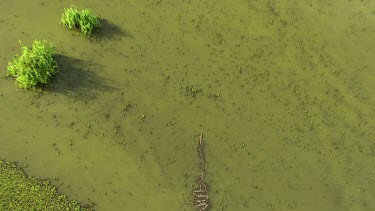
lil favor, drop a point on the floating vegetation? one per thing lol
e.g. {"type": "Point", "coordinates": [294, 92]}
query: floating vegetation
{"type": "Point", "coordinates": [213, 95]}
{"type": "Point", "coordinates": [201, 200]}
{"type": "Point", "coordinates": [19, 191]}
{"type": "Point", "coordinates": [35, 65]}
{"type": "Point", "coordinates": [82, 20]}
{"type": "Point", "coordinates": [192, 91]}
{"type": "Point", "coordinates": [127, 107]}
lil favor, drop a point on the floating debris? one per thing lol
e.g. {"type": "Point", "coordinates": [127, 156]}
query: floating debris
{"type": "Point", "coordinates": [192, 91]}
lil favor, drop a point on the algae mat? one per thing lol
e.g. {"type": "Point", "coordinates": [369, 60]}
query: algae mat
{"type": "Point", "coordinates": [283, 92]}
{"type": "Point", "coordinates": [19, 191]}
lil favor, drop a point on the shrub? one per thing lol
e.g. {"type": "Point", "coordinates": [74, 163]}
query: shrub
{"type": "Point", "coordinates": [82, 20]}
{"type": "Point", "coordinates": [35, 65]}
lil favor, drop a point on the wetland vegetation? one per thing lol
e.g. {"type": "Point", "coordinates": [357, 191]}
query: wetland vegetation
{"type": "Point", "coordinates": [36, 65]}
{"type": "Point", "coordinates": [83, 20]}
{"type": "Point", "coordinates": [19, 191]}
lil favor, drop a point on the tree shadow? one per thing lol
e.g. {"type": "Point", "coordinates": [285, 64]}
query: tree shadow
{"type": "Point", "coordinates": [77, 79]}
{"type": "Point", "coordinates": [110, 30]}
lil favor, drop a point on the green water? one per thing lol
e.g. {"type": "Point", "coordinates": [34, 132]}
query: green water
{"type": "Point", "coordinates": [286, 103]}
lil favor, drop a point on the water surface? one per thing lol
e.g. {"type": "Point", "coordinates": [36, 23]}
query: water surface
{"type": "Point", "coordinates": [286, 103]}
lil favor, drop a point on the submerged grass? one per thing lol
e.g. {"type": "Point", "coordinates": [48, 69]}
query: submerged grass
{"type": "Point", "coordinates": [82, 20]}
{"type": "Point", "coordinates": [33, 66]}
{"type": "Point", "coordinates": [21, 192]}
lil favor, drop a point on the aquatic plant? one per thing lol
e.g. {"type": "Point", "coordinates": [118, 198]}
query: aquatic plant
{"type": "Point", "coordinates": [82, 20]}
{"type": "Point", "coordinates": [19, 191]}
{"type": "Point", "coordinates": [35, 65]}
{"type": "Point", "coordinates": [192, 91]}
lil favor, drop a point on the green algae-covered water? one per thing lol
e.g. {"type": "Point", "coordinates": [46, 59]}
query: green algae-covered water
{"type": "Point", "coordinates": [283, 92]}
